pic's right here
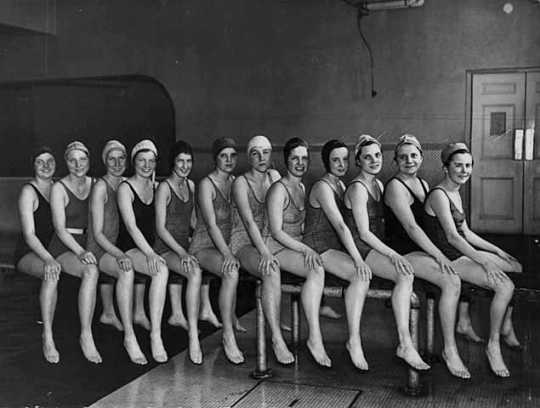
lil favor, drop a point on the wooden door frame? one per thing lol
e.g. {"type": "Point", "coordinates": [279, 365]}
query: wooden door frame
{"type": "Point", "coordinates": [469, 73]}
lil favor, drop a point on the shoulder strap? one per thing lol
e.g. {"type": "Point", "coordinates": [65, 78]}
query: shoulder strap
{"type": "Point", "coordinates": [452, 206]}
{"type": "Point", "coordinates": [422, 182]}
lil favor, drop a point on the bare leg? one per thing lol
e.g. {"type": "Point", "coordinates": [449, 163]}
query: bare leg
{"type": "Point", "coordinates": [206, 311]}
{"type": "Point", "coordinates": [177, 317]}
{"type": "Point", "coordinates": [32, 265]}
{"type": "Point", "coordinates": [425, 267]}
{"type": "Point", "coordinates": [401, 303]}
{"type": "Point", "coordinates": [108, 316]}
{"type": "Point", "coordinates": [342, 265]}
{"type": "Point", "coordinates": [87, 300]}
{"type": "Point", "coordinates": [271, 301]}
{"type": "Point", "coordinates": [124, 298]}
{"type": "Point", "coordinates": [139, 315]}
{"type": "Point", "coordinates": [464, 325]}
{"type": "Point", "coordinates": [156, 297]}
{"type": "Point", "coordinates": [193, 290]}
{"type": "Point", "coordinates": [470, 271]}
{"type": "Point", "coordinates": [211, 260]}
{"type": "Point", "coordinates": [293, 262]}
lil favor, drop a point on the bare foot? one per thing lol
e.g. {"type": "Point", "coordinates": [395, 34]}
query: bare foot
{"type": "Point", "coordinates": [50, 352]}
{"type": "Point", "coordinates": [455, 365]}
{"type": "Point", "coordinates": [210, 317]}
{"type": "Point", "coordinates": [158, 351]}
{"type": "Point", "coordinates": [179, 320]}
{"type": "Point", "coordinates": [411, 357]}
{"type": "Point", "coordinates": [232, 352]}
{"type": "Point", "coordinates": [195, 353]}
{"type": "Point", "coordinates": [134, 351]}
{"type": "Point", "coordinates": [111, 320]}
{"type": "Point", "coordinates": [238, 327]}
{"type": "Point", "coordinates": [496, 362]}
{"type": "Point", "coordinates": [89, 349]}
{"type": "Point", "coordinates": [509, 336]}
{"type": "Point", "coordinates": [282, 353]}
{"type": "Point", "coordinates": [467, 331]}
{"type": "Point", "coordinates": [319, 354]}
{"type": "Point", "coordinates": [142, 320]}
{"type": "Point", "coordinates": [327, 311]}
{"type": "Point", "coordinates": [357, 355]}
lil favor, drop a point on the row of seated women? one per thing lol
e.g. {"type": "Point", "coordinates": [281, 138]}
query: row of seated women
{"type": "Point", "coordinates": [264, 223]}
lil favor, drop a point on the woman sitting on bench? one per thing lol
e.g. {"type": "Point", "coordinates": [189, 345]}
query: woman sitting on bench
{"type": "Point", "coordinates": [137, 234]}
{"type": "Point", "coordinates": [283, 237]}
{"type": "Point", "coordinates": [31, 254]}
{"type": "Point", "coordinates": [475, 260]}
{"type": "Point", "coordinates": [174, 216]}
{"type": "Point", "coordinates": [364, 214]}
{"type": "Point", "coordinates": [247, 243]}
{"type": "Point", "coordinates": [404, 196]}
{"type": "Point", "coordinates": [326, 232]}
{"type": "Point", "coordinates": [102, 235]}
{"type": "Point", "coordinates": [210, 243]}
{"type": "Point", "coordinates": [69, 209]}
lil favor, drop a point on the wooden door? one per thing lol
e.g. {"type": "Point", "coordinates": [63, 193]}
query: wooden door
{"type": "Point", "coordinates": [531, 199]}
{"type": "Point", "coordinates": [498, 108]}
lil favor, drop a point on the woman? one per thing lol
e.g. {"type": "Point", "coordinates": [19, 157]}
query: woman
{"type": "Point", "coordinates": [102, 236]}
{"type": "Point", "coordinates": [364, 217]}
{"type": "Point", "coordinates": [210, 244]}
{"type": "Point", "coordinates": [69, 208]}
{"type": "Point", "coordinates": [247, 243]}
{"type": "Point", "coordinates": [137, 233]}
{"type": "Point", "coordinates": [404, 197]}
{"type": "Point", "coordinates": [326, 232]}
{"type": "Point", "coordinates": [31, 254]}
{"type": "Point", "coordinates": [283, 237]}
{"type": "Point", "coordinates": [174, 215]}
{"type": "Point", "coordinates": [475, 260]}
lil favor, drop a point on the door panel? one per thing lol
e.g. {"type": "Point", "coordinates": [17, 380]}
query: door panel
{"type": "Point", "coordinates": [498, 107]}
{"type": "Point", "coordinates": [531, 199]}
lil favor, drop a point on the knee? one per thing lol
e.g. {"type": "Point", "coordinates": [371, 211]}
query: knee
{"type": "Point", "coordinates": [452, 285]}
{"type": "Point", "coordinates": [162, 272]}
{"type": "Point", "coordinates": [195, 273]}
{"type": "Point", "coordinates": [317, 274]}
{"type": "Point", "coordinates": [506, 288]}
{"type": "Point", "coordinates": [91, 272]}
{"type": "Point", "coordinates": [405, 280]}
{"type": "Point", "coordinates": [232, 275]}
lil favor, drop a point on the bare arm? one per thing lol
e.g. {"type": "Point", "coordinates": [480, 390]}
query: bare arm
{"type": "Point", "coordinates": [324, 196]}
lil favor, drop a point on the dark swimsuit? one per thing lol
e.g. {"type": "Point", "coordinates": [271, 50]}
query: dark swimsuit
{"type": "Point", "coordinates": [76, 218]}
{"type": "Point", "coordinates": [375, 210]}
{"type": "Point", "coordinates": [435, 232]}
{"type": "Point", "coordinates": [319, 234]}
{"type": "Point", "coordinates": [145, 219]}
{"type": "Point", "coordinates": [397, 237]}
{"type": "Point", "coordinates": [43, 227]}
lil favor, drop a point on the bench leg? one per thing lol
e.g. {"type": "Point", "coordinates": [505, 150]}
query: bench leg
{"type": "Point", "coordinates": [295, 320]}
{"type": "Point", "coordinates": [261, 369]}
{"type": "Point", "coordinates": [430, 328]}
{"type": "Point", "coordinates": [413, 387]}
